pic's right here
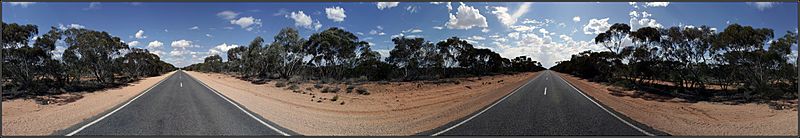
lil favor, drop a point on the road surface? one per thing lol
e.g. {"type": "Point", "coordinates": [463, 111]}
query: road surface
{"type": "Point", "coordinates": [546, 105]}
{"type": "Point", "coordinates": [179, 105]}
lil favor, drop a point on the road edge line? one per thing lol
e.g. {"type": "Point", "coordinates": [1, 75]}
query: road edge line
{"type": "Point", "coordinates": [240, 108]}
{"type": "Point", "coordinates": [604, 109]}
{"type": "Point", "coordinates": [487, 108]}
{"type": "Point", "coordinates": [118, 108]}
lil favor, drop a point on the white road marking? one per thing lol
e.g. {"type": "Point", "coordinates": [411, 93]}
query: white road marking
{"type": "Point", "coordinates": [487, 108]}
{"type": "Point", "coordinates": [609, 112]}
{"type": "Point", "coordinates": [240, 108]}
{"type": "Point", "coordinates": [118, 108]}
{"type": "Point", "coordinates": [545, 90]}
{"type": "Point", "coordinates": [181, 84]}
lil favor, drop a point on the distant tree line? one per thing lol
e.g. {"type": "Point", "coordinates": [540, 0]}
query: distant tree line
{"type": "Point", "coordinates": [693, 60]}
{"type": "Point", "coordinates": [337, 54]}
{"type": "Point", "coordinates": [92, 60]}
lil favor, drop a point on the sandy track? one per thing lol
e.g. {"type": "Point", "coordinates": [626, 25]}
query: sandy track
{"type": "Point", "coordinates": [391, 109]}
{"type": "Point", "coordinates": [695, 119]}
{"type": "Point", "coordinates": [23, 117]}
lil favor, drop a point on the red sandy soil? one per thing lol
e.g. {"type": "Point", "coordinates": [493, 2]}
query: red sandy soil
{"type": "Point", "coordinates": [680, 118]}
{"type": "Point", "coordinates": [396, 108]}
{"type": "Point", "coordinates": [24, 117]}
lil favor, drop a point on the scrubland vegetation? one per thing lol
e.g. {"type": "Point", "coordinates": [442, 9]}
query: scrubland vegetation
{"type": "Point", "coordinates": [335, 55]}
{"type": "Point", "coordinates": [93, 60]}
{"type": "Point", "coordinates": [693, 63]}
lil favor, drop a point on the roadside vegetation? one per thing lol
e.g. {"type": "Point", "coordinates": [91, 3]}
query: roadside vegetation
{"type": "Point", "coordinates": [740, 63]}
{"type": "Point", "coordinates": [336, 55]}
{"type": "Point", "coordinates": [92, 60]}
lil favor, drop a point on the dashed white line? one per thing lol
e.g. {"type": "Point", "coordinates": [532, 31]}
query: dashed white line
{"type": "Point", "coordinates": [120, 107]}
{"type": "Point", "coordinates": [181, 84]}
{"type": "Point", "coordinates": [545, 90]}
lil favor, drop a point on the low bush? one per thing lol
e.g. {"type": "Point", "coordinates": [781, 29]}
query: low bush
{"type": "Point", "coordinates": [280, 84]}
{"type": "Point", "coordinates": [362, 90]}
{"type": "Point", "coordinates": [336, 97]}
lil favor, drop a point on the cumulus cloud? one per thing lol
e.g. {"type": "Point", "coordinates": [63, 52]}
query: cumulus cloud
{"type": "Point", "coordinates": [133, 43]}
{"type": "Point", "coordinates": [303, 20]}
{"type": "Point", "coordinates": [642, 19]}
{"type": "Point", "coordinates": [247, 22]}
{"type": "Point", "coordinates": [227, 15]}
{"type": "Point", "coordinates": [576, 19]}
{"type": "Point", "coordinates": [183, 44]}
{"type": "Point", "coordinates": [222, 48]}
{"type": "Point", "coordinates": [140, 34]}
{"type": "Point", "coordinates": [335, 13]}
{"type": "Point", "coordinates": [466, 18]}
{"type": "Point", "coordinates": [438, 27]}
{"type": "Point", "coordinates": [596, 26]}
{"type": "Point", "coordinates": [762, 5]}
{"type": "Point", "coordinates": [194, 28]}
{"type": "Point", "coordinates": [485, 30]}
{"type": "Point", "coordinates": [386, 5]}
{"type": "Point", "coordinates": [154, 44]}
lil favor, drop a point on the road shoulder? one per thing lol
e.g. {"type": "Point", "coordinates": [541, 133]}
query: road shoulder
{"type": "Point", "coordinates": [694, 119]}
{"type": "Point", "coordinates": [23, 117]}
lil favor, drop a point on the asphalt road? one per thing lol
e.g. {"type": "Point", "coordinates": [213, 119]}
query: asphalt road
{"type": "Point", "coordinates": [547, 105]}
{"type": "Point", "coordinates": [179, 105]}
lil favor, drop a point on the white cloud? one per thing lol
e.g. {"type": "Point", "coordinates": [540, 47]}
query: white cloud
{"type": "Point", "coordinates": [209, 35]}
{"type": "Point", "coordinates": [155, 44]}
{"type": "Point", "coordinates": [181, 44]}
{"type": "Point", "coordinates": [75, 26]}
{"type": "Point", "coordinates": [227, 15]}
{"type": "Point", "coordinates": [335, 13]}
{"type": "Point", "coordinates": [412, 9]}
{"type": "Point", "coordinates": [386, 5]}
{"type": "Point", "coordinates": [247, 22]}
{"type": "Point", "coordinates": [503, 16]}
{"type": "Point", "coordinates": [596, 26]}
{"type": "Point", "coordinates": [222, 48]}
{"type": "Point", "coordinates": [543, 31]}
{"type": "Point", "coordinates": [194, 28]}
{"type": "Point", "coordinates": [565, 38]}
{"type": "Point", "coordinates": [477, 38]}
{"type": "Point", "coordinates": [133, 43]}
{"type": "Point", "coordinates": [642, 19]}
{"type": "Point", "coordinates": [93, 5]}
{"type": "Point", "coordinates": [22, 4]}
{"type": "Point", "coordinates": [140, 34]}
{"type": "Point", "coordinates": [407, 36]}
{"type": "Point", "coordinates": [509, 19]}
{"type": "Point", "coordinates": [466, 18]}
{"type": "Point", "coordinates": [438, 27]}
{"type": "Point", "coordinates": [762, 5]}
{"type": "Point", "coordinates": [576, 19]}
{"type": "Point", "coordinates": [449, 7]}
{"type": "Point", "coordinates": [485, 30]}
{"type": "Point", "coordinates": [656, 4]}
{"type": "Point", "coordinates": [303, 20]}
{"type": "Point", "coordinates": [412, 30]}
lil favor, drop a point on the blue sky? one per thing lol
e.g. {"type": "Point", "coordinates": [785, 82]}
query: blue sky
{"type": "Point", "coordinates": [185, 33]}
